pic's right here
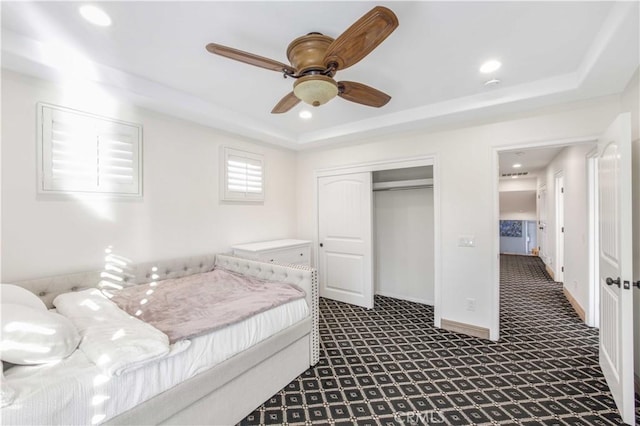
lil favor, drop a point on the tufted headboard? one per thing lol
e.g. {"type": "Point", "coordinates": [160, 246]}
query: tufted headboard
{"type": "Point", "coordinates": [130, 274]}
{"type": "Point", "coordinates": [119, 273]}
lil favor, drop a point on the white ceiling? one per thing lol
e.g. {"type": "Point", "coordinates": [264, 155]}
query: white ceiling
{"type": "Point", "coordinates": [154, 54]}
{"type": "Point", "coordinates": [532, 161]}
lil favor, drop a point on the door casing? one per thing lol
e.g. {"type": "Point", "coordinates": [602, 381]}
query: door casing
{"type": "Point", "coordinates": [399, 163]}
{"type": "Point", "coordinates": [494, 329]}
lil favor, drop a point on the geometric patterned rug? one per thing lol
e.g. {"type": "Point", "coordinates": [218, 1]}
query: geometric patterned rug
{"type": "Point", "coordinates": [390, 366]}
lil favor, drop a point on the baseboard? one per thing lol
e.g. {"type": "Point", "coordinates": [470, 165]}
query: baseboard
{"type": "Point", "coordinates": [575, 304]}
{"type": "Point", "coordinates": [550, 272]}
{"type": "Point", "coordinates": [468, 329]}
{"type": "Point", "coordinates": [409, 299]}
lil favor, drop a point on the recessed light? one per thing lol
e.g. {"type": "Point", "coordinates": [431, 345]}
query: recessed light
{"type": "Point", "coordinates": [517, 166]}
{"type": "Point", "coordinates": [95, 15]}
{"type": "Point", "coordinates": [305, 114]}
{"type": "Point", "coordinates": [490, 66]}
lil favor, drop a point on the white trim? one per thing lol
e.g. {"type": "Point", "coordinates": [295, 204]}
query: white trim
{"type": "Point", "coordinates": [548, 143]}
{"type": "Point", "coordinates": [403, 297]}
{"type": "Point", "coordinates": [375, 166]}
{"type": "Point", "coordinates": [398, 163]}
{"type": "Point", "coordinates": [593, 306]}
{"type": "Point", "coordinates": [494, 331]}
{"type": "Point", "coordinates": [437, 244]}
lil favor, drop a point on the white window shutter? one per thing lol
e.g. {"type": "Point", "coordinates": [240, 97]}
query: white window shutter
{"type": "Point", "coordinates": [86, 153]}
{"type": "Point", "coordinates": [242, 175]}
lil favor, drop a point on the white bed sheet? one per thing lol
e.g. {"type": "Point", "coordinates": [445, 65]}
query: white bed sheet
{"type": "Point", "coordinates": [76, 392]}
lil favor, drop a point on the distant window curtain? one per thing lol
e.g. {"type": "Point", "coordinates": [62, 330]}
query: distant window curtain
{"type": "Point", "coordinates": [83, 153]}
{"type": "Point", "coordinates": [243, 178]}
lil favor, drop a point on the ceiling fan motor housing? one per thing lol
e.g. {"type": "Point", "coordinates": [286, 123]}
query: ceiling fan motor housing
{"type": "Point", "coordinates": [307, 53]}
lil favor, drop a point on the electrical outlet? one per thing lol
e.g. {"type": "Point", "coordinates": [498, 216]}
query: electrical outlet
{"type": "Point", "coordinates": [471, 304]}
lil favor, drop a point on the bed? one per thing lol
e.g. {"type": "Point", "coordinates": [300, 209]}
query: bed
{"type": "Point", "coordinates": [195, 384]}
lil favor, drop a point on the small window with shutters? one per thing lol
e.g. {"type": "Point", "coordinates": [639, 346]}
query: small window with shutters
{"type": "Point", "coordinates": [85, 153]}
{"type": "Point", "coordinates": [242, 175]}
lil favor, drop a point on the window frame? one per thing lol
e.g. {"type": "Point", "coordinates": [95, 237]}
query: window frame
{"type": "Point", "coordinates": [45, 185]}
{"type": "Point", "coordinates": [240, 196]}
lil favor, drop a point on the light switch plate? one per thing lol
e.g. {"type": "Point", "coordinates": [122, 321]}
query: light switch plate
{"type": "Point", "coordinates": [466, 241]}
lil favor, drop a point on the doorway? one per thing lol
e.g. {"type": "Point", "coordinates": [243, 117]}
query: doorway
{"type": "Point", "coordinates": [382, 171]}
{"type": "Point", "coordinates": [565, 166]}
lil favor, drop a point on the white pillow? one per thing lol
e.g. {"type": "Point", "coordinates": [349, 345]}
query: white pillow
{"type": "Point", "coordinates": [10, 293]}
{"type": "Point", "coordinates": [33, 336]}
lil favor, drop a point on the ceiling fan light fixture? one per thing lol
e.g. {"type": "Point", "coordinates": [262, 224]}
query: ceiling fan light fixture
{"type": "Point", "coordinates": [315, 90]}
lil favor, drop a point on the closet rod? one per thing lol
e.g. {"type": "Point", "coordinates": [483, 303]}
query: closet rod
{"type": "Point", "coordinates": [402, 188]}
{"type": "Point", "coordinates": [403, 184]}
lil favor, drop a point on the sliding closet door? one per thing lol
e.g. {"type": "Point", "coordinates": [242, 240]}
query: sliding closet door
{"type": "Point", "coordinates": [345, 254]}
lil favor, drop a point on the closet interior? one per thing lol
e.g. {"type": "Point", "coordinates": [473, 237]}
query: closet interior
{"type": "Point", "coordinates": [403, 225]}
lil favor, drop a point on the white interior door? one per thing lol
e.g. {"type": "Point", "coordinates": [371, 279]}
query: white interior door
{"type": "Point", "coordinates": [616, 315]}
{"type": "Point", "coordinates": [345, 256]}
{"type": "Point", "coordinates": [559, 266]}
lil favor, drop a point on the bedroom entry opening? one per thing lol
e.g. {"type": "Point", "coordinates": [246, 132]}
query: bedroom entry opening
{"type": "Point", "coordinates": [376, 235]}
{"type": "Point", "coordinates": [541, 215]}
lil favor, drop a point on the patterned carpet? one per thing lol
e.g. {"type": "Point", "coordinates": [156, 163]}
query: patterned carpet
{"type": "Point", "coordinates": [390, 366]}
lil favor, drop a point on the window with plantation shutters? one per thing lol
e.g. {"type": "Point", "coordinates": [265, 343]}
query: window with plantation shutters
{"type": "Point", "coordinates": [84, 153]}
{"type": "Point", "coordinates": [243, 178]}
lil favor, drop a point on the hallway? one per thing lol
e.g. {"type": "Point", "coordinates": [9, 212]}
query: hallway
{"type": "Point", "coordinates": [538, 323]}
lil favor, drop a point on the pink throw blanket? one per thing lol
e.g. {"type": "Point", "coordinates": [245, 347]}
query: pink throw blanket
{"type": "Point", "coordinates": [194, 305]}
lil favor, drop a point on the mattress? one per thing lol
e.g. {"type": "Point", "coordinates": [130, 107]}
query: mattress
{"type": "Point", "coordinates": [76, 392]}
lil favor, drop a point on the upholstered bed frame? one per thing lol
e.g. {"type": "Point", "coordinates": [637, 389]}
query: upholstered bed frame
{"type": "Point", "coordinates": [228, 392]}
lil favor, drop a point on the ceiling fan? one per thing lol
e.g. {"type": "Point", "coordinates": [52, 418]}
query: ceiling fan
{"type": "Point", "coordinates": [315, 58]}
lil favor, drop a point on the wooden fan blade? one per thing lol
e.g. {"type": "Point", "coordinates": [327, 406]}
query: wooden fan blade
{"type": "Point", "coordinates": [361, 38]}
{"type": "Point", "coordinates": [285, 104]}
{"type": "Point", "coordinates": [249, 58]}
{"type": "Point", "coordinates": [362, 94]}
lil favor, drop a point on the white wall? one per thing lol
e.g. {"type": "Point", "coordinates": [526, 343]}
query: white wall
{"type": "Point", "coordinates": [403, 244]}
{"type": "Point", "coordinates": [630, 102]}
{"type": "Point", "coordinates": [518, 205]}
{"type": "Point", "coordinates": [571, 161]}
{"type": "Point", "coordinates": [179, 215]}
{"type": "Point", "coordinates": [466, 175]}
{"type": "Point", "coordinates": [526, 184]}
{"type": "Point", "coordinates": [517, 199]}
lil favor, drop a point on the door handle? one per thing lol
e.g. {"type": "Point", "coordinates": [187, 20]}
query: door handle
{"type": "Point", "coordinates": [611, 281]}
{"type": "Point", "coordinates": [636, 284]}
{"type": "Point", "coordinates": [321, 245]}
